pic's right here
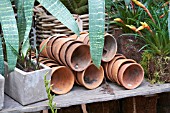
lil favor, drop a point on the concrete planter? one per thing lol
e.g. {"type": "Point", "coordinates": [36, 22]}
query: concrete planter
{"type": "Point", "coordinates": [26, 87]}
{"type": "Point", "coordinates": [2, 82]}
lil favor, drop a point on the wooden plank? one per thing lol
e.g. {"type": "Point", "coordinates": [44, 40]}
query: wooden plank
{"type": "Point", "coordinates": [80, 95]}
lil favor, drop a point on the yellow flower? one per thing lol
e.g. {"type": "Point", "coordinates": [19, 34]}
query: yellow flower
{"type": "Point", "coordinates": [140, 28]}
{"type": "Point", "coordinates": [131, 27]}
{"type": "Point", "coordinates": [138, 3]}
{"type": "Point", "coordinates": [145, 25]}
{"type": "Point", "coordinates": [118, 20]}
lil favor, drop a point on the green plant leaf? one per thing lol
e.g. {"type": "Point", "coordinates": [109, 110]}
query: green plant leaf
{"type": "Point", "coordinates": [127, 2]}
{"type": "Point", "coordinates": [21, 21]}
{"type": "Point", "coordinates": [96, 29]}
{"type": "Point", "coordinates": [169, 22]}
{"type": "Point", "coordinates": [10, 31]}
{"type": "Point", "coordinates": [58, 10]}
{"type": "Point", "coordinates": [28, 10]}
{"type": "Point", "coordinates": [1, 58]}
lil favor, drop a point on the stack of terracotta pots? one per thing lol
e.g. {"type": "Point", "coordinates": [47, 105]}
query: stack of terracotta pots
{"type": "Point", "coordinates": [126, 72]}
{"type": "Point", "coordinates": [74, 55]}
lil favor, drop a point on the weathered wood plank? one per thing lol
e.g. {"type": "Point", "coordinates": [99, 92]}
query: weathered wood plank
{"type": "Point", "coordinates": [79, 95]}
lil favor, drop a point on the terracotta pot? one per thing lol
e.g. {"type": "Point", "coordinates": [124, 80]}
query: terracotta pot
{"type": "Point", "coordinates": [110, 64]}
{"type": "Point", "coordinates": [62, 79]}
{"type": "Point", "coordinates": [110, 48]}
{"type": "Point", "coordinates": [76, 80]}
{"type": "Point", "coordinates": [131, 75]}
{"type": "Point", "coordinates": [105, 67]}
{"type": "Point", "coordinates": [91, 77]}
{"type": "Point", "coordinates": [49, 47]}
{"type": "Point", "coordinates": [116, 66]}
{"type": "Point", "coordinates": [51, 64]}
{"type": "Point", "coordinates": [43, 46]}
{"type": "Point", "coordinates": [42, 58]}
{"type": "Point", "coordinates": [64, 48]}
{"type": "Point", "coordinates": [78, 56]}
{"type": "Point", "coordinates": [57, 47]}
{"type": "Point", "coordinates": [83, 38]}
{"type": "Point", "coordinates": [47, 61]}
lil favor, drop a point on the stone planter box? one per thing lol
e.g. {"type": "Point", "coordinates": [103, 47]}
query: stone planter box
{"type": "Point", "coordinates": [2, 82]}
{"type": "Point", "coordinates": [26, 87]}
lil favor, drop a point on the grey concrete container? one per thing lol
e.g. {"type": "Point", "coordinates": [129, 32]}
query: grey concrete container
{"type": "Point", "coordinates": [26, 87]}
{"type": "Point", "coordinates": [2, 82]}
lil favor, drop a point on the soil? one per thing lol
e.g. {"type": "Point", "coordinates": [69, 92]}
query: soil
{"type": "Point", "coordinates": [89, 80]}
{"type": "Point", "coordinates": [130, 46]}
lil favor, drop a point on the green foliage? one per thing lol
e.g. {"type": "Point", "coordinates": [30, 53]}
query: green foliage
{"type": "Point", "coordinates": [51, 104]}
{"type": "Point", "coordinates": [96, 29]}
{"type": "Point", "coordinates": [10, 32]}
{"type": "Point", "coordinates": [1, 57]}
{"type": "Point", "coordinates": [76, 6]}
{"type": "Point", "coordinates": [14, 41]}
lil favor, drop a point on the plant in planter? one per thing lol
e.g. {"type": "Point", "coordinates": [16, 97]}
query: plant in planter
{"type": "Point", "coordinates": [19, 84]}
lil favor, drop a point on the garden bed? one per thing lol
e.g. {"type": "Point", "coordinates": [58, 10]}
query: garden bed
{"type": "Point", "coordinates": [79, 95]}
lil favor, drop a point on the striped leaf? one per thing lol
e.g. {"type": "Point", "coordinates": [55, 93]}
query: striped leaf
{"type": "Point", "coordinates": [28, 11]}
{"type": "Point", "coordinates": [96, 29]}
{"type": "Point", "coordinates": [58, 10]}
{"type": "Point", "coordinates": [21, 21]}
{"type": "Point", "coordinates": [1, 58]}
{"type": "Point", "coordinates": [10, 31]}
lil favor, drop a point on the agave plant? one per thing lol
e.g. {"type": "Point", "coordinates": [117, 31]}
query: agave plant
{"type": "Point", "coordinates": [16, 33]}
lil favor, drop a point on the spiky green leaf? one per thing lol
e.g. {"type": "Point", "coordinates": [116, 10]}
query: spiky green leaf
{"type": "Point", "coordinates": [58, 10]}
{"type": "Point", "coordinates": [96, 29]}
{"type": "Point", "coordinates": [28, 10]}
{"type": "Point", "coordinates": [21, 21]}
{"type": "Point", "coordinates": [10, 31]}
{"type": "Point", "coordinates": [1, 58]}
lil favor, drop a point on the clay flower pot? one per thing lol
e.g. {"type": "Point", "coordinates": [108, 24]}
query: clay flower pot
{"type": "Point", "coordinates": [83, 38]}
{"type": "Point", "coordinates": [105, 66]}
{"type": "Point", "coordinates": [57, 47]}
{"type": "Point", "coordinates": [110, 65]}
{"type": "Point", "coordinates": [49, 47]}
{"type": "Point", "coordinates": [131, 75]}
{"type": "Point", "coordinates": [63, 50]}
{"type": "Point", "coordinates": [78, 56]}
{"type": "Point", "coordinates": [91, 77]}
{"type": "Point", "coordinates": [110, 48]}
{"type": "Point", "coordinates": [43, 46]}
{"type": "Point", "coordinates": [51, 64]}
{"type": "Point", "coordinates": [116, 66]}
{"type": "Point", "coordinates": [62, 79]}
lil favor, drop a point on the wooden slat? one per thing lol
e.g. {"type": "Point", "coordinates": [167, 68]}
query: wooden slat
{"type": "Point", "coordinates": [80, 95]}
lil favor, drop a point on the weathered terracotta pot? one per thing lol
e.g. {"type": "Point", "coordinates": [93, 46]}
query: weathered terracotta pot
{"type": "Point", "coordinates": [110, 65]}
{"type": "Point", "coordinates": [62, 79]}
{"type": "Point", "coordinates": [131, 75]}
{"type": "Point", "coordinates": [52, 64]}
{"type": "Point", "coordinates": [91, 77]}
{"type": "Point", "coordinates": [78, 56]}
{"type": "Point", "coordinates": [57, 47]}
{"type": "Point", "coordinates": [50, 43]}
{"type": "Point", "coordinates": [49, 47]}
{"type": "Point", "coordinates": [83, 38]}
{"type": "Point", "coordinates": [116, 66]}
{"type": "Point", "coordinates": [105, 66]}
{"type": "Point", "coordinates": [62, 54]}
{"type": "Point", "coordinates": [44, 45]}
{"type": "Point", "coordinates": [110, 48]}
{"type": "Point", "coordinates": [47, 61]}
